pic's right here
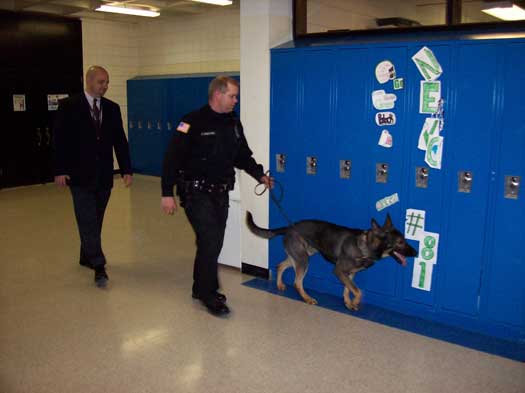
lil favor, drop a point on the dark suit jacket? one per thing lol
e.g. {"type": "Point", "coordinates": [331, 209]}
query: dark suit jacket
{"type": "Point", "coordinates": [77, 151]}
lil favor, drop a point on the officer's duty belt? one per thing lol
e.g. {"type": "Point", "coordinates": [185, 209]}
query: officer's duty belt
{"type": "Point", "coordinates": [205, 186]}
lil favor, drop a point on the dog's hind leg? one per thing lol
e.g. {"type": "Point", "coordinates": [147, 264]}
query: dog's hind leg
{"type": "Point", "coordinates": [301, 267]}
{"type": "Point", "coordinates": [280, 270]}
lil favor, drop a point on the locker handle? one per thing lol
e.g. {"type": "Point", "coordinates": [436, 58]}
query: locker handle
{"type": "Point", "coordinates": [39, 136]}
{"type": "Point", "coordinates": [383, 169]}
{"type": "Point", "coordinates": [514, 182]}
{"type": "Point", "coordinates": [423, 172]}
{"type": "Point", "coordinates": [467, 177]}
{"type": "Point", "coordinates": [48, 136]}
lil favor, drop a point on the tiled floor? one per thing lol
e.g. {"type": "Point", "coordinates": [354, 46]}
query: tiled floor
{"type": "Point", "coordinates": [144, 334]}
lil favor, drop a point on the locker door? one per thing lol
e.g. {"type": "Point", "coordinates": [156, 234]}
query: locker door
{"type": "Point", "coordinates": [468, 142]}
{"type": "Point", "coordinates": [382, 278]}
{"type": "Point", "coordinates": [505, 294]}
{"type": "Point", "coordinates": [137, 101]}
{"type": "Point", "coordinates": [430, 198]}
{"type": "Point", "coordinates": [316, 114]}
{"type": "Point", "coordinates": [352, 140]}
{"type": "Point", "coordinates": [285, 137]}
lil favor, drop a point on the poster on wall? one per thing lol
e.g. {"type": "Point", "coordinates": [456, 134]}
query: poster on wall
{"type": "Point", "coordinates": [385, 71]}
{"type": "Point", "coordinates": [427, 64]}
{"type": "Point", "coordinates": [382, 100]}
{"type": "Point", "coordinates": [52, 101]}
{"type": "Point", "coordinates": [19, 102]}
{"type": "Point", "coordinates": [434, 154]}
{"type": "Point", "coordinates": [429, 97]}
{"type": "Point", "coordinates": [422, 275]}
{"type": "Point", "coordinates": [414, 224]}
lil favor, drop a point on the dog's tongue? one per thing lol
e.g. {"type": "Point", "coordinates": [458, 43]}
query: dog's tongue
{"type": "Point", "coordinates": [402, 258]}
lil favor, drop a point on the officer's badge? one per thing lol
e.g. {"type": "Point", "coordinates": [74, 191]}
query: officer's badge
{"type": "Point", "coordinates": [183, 127]}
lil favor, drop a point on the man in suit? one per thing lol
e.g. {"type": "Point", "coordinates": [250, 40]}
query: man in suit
{"type": "Point", "coordinates": [87, 129]}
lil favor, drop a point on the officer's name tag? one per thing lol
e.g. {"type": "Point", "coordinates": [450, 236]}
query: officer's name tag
{"type": "Point", "coordinates": [208, 133]}
{"type": "Point", "coordinates": [183, 127]}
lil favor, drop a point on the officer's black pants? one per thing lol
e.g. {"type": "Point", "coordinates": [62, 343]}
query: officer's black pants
{"type": "Point", "coordinates": [207, 213]}
{"type": "Point", "coordinates": [90, 205]}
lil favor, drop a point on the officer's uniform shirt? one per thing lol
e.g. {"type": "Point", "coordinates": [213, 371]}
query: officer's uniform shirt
{"type": "Point", "coordinates": [207, 145]}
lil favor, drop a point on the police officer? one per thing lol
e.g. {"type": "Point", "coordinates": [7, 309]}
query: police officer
{"type": "Point", "coordinates": [200, 160]}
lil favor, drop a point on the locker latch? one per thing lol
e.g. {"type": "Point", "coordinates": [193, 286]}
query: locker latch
{"type": "Point", "coordinates": [345, 168]}
{"type": "Point", "coordinates": [280, 160]}
{"type": "Point", "coordinates": [465, 181]}
{"type": "Point", "coordinates": [311, 165]}
{"type": "Point", "coordinates": [381, 172]}
{"type": "Point", "coordinates": [512, 186]}
{"type": "Point", "coordinates": [422, 177]}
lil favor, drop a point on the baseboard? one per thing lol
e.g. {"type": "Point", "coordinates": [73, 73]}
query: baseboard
{"type": "Point", "coordinates": [255, 271]}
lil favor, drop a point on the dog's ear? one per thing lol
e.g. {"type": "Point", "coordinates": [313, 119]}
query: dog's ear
{"type": "Point", "coordinates": [388, 223]}
{"type": "Point", "coordinates": [375, 225]}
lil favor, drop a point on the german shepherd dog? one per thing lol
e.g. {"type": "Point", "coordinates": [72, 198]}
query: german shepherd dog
{"type": "Point", "coordinates": [350, 250]}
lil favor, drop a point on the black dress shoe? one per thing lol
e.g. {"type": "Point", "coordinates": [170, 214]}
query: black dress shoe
{"type": "Point", "coordinates": [83, 262]}
{"type": "Point", "coordinates": [216, 308]}
{"type": "Point", "coordinates": [101, 277]}
{"type": "Point", "coordinates": [218, 296]}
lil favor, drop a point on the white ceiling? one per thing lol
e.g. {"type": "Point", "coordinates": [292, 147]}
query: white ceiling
{"type": "Point", "coordinates": [84, 8]}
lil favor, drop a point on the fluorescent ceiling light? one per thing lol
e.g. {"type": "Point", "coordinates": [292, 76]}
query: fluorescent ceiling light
{"type": "Point", "coordinates": [127, 11]}
{"type": "Point", "coordinates": [215, 2]}
{"type": "Point", "coordinates": [505, 10]}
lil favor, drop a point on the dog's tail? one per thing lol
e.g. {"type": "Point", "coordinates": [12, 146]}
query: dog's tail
{"type": "Point", "coordinates": [261, 232]}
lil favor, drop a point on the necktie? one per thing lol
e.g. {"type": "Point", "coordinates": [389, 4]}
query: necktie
{"type": "Point", "coordinates": [96, 117]}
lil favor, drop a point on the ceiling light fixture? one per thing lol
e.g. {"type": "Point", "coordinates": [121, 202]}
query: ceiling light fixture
{"type": "Point", "coordinates": [215, 2]}
{"type": "Point", "coordinates": [127, 11]}
{"type": "Point", "coordinates": [505, 10]}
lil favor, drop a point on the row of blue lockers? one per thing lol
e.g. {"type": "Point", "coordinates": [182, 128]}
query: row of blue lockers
{"type": "Point", "coordinates": [155, 107]}
{"type": "Point", "coordinates": [324, 149]}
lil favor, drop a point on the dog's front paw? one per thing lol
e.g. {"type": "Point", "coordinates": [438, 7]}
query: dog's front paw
{"type": "Point", "coordinates": [281, 287]}
{"type": "Point", "coordinates": [352, 306]}
{"type": "Point", "coordinates": [310, 300]}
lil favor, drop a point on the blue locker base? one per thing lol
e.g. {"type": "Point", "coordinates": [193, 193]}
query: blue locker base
{"type": "Point", "coordinates": [370, 312]}
{"type": "Point", "coordinates": [332, 286]}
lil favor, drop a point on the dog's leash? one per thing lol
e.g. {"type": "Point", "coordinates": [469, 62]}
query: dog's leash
{"type": "Point", "coordinates": [275, 200]}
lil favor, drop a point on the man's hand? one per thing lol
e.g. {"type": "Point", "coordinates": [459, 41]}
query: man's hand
{"type": "Point", "coordinates": [127, 179]}
{"type": "Point", "coordinates": [267, 180]}
{"type": "Point", "coordinates": [61, 180]}
{"type": "Point", "coordinates": [168, 204]}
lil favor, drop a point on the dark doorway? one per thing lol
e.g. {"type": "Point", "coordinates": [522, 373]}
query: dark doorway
{"type": "Point", "coordinates": [41, 57]}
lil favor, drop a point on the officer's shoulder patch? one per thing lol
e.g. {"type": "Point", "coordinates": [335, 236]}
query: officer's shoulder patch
{"type": "Point", "coordinates": [183, 127]}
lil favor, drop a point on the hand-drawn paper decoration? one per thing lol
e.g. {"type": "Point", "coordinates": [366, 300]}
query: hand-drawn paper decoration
{"type": "Point", "coordinates": [385, 119]}
{"type": "Point", "coordinates": [427, 64]}
{"type": "Point", "coordinates": [382, 100]}
{"type": "Point", "coordinates": [385, 139]}
{"type": "Point", "coordinates": [385, 71]}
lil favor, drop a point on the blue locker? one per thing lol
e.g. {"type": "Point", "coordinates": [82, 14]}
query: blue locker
{"type": "Point", "coordinates": [469, 140]}
{"type": "Point", "coordinates": [353, 140]}
{"type": "Point", "coordinates": [285, 137]}
{"type": "Point", "coordinates": [155, 106]}
{"type": "Point", "coordinates": [321, 105]}
{"type": "Point", "coordinates": [504, 279]}
{"type": "Point", "coordinates": [429, 198]}
{"type": "Point", "coordinates": [382, 278]}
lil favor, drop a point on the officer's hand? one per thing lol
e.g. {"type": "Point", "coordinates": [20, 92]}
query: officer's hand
{"type": "Point", "coordinates": [168, 204]}
{"type": "Point", "coordinates": [61, 180]}
{"type": "Point", "coordinates": [127, 179]}
{"type": "Point", "coordinates": [267, 180]}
